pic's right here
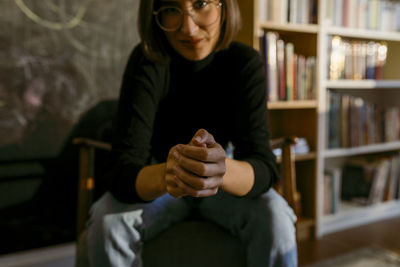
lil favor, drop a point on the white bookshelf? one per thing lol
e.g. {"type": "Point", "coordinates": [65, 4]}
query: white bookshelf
{"type": "Point", "coordinates": [310, 116]}
{"type": "Point", "coordinates": [363, 84]}
{"type": "Point", "coordinates": [298, 104]}
{"type": "Point", "coordinates": [289, 27]}
{"type": "Point", "coordinates": [355, 151]}
{"type": "Point", "coordinates": [363, 33]}
{"type": "Point", "coordinates": [351, 216]}
{"type": "Point", "coordinates": [384, 92]}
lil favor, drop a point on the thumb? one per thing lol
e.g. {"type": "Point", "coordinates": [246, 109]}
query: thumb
{"type": "Point", "coordinates": [203, 138]}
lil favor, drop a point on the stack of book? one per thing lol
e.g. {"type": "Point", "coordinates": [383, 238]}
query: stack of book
{"type": "Point", "coordinates": [288, 11]}
{"type": "Point", "coordinates": [354, 122]}
{"type": "Point", "coordinates": [371, 181]}
{"type": "Point", "coordinates": [362, 181]}
{"type": "Point", "coordinates": [290, 76]}
{"type": "Point", "coordinates": [381, 15]}
{"type": "Point", "coordinates": [356, 60]}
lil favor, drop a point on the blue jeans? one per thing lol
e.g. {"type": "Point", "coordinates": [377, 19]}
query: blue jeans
{"type": "Point", "coordinates": [264, 224]}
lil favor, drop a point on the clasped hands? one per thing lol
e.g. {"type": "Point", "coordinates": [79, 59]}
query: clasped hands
{"type": "Point", "coordinates": [195, 169]}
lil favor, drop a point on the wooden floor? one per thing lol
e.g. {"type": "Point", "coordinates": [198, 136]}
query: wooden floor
{"type": "Point", "coordinates": [385, 234]}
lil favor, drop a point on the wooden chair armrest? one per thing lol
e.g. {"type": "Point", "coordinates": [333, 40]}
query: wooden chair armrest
{"type": "Point", "coordinates": [282, 141]}
{"type": "Point", "coordinates": [80, 141]}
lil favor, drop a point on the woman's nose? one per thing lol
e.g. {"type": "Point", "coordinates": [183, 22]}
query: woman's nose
{"type": "Point", "coordinates": [189, 26]}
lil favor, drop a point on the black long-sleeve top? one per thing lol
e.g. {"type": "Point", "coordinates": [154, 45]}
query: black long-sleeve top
{"type": "Point", "coordinates": [162, 105]}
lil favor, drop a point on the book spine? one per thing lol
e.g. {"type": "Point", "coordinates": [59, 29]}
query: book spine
{"type": "Point", "coordinates": [262, 10]}
{"type": "Point", "coordinates": [293, 6]}
{"type": "Point", "coordinates": [281, 69]}
{"type": "Point", "coordinates": [289, 48]}
{"type": "Point", "coordinates": [272, 64]}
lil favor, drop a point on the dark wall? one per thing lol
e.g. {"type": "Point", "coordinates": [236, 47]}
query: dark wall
{"type": "Point", "coordinates": [58, 59]}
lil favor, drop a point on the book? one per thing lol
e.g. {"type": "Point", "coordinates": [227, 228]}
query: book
{"type": "Point", "coordinates": [393, 178]}
{"type": "Point", "coordinates": [397, 16]}
{"type": "Point", "coordinates": [332, 189]}
{"type": "Point", "coordinates": [334, 120]}
{"type": "Point", "coordinates": [262, 10]}
{"type": "Point", "coordinates": [279, 9]}
{"type": "Point", "coordinates": [294, 77]}
{"type": "Point", "coordinates": [345, 125]}
{"type": "Point", "coordinates": [370, 60]}
{"type": "Point", "coordinates": [337, 57]}
{"type": "Point", "coordinates": [327, 194]}
{"type": "Point", "coordinates": [272, 65]}
{"type": "Point", "coordinates": [330, 6]}
{"type": "Point", "coordinates": [386, 16]}
{"type": "Point", "coordinates": [289, 56]}
{"type": "Point", "coordinates": [362, 14]}
{"type": "Point", "coordinates": [301, 77]}
{"type": "Point", "coordinates": [304, 9]}
{"type": "Point", "coordinates": [348, 59]}
{"type": "Point", "coordinates": [373, 14]}
{"type": "Point", "coordinates": [338, 13]}
{"type": "Point", "coordinates": [293, 9]}
{"type": "Point", "coordinates": [364, 180]}
{"type": "Point", "coordinates": [310, 78]}
{"type": "Point", "coordinates": [280, 46]}
{"type": "Point", "coordinates": [378, 186]}
{"type": "Point", "coordinates": [380, 60]}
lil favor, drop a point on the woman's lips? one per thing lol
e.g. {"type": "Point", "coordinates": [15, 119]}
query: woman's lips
{"type": "Point", "coordinates": [192, 43]}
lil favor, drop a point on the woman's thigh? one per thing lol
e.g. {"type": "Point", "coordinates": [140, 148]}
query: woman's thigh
{"type": "Point", "coordinates": [265, 217]}
{"type": "Point", "coordinates": [117, 230]}
{"type": "Point", "coordinates": [148, 218]}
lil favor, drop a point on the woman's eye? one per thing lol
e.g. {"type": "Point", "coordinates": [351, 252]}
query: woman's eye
{"type": "Point", "coordinates": [170, 10]}
{"type": "Point", "coordinates": [200, 4]}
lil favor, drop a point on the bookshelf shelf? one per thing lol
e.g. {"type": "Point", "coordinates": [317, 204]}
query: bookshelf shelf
{"type": "Point", "coordinates": [363, 84]}
{"type": "Point", "coordinates": [350, 215]}
{"type": "Point", "coordinates": [363, 33]}
{"type": "Point", "coordinates": [300, 104]}
{"type": "Point", "coordinates": [354, 151]}
{"type": "Point", "coordinates": [289, 27]}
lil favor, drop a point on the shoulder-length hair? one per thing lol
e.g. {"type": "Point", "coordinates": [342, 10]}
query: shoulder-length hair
{"type": "Point", "coordinates": [155, 42]}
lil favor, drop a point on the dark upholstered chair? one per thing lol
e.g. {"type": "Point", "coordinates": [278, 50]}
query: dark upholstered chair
{"type": "Point", "coordinates": [190, 243]}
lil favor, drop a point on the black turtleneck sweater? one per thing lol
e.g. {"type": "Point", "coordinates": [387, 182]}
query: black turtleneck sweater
{"type": "Point", "coordinates": [162, 105]}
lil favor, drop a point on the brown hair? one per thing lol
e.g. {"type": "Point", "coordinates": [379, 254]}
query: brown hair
{"type": "Point", "coordinates": [155, 42]}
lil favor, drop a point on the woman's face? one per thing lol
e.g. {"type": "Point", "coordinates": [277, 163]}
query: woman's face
{"type": "Point", "coordinates": [191, 40]}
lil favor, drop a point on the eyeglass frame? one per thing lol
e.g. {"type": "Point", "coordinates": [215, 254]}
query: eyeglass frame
{"type": "Point", "coordinates": [189, 12]}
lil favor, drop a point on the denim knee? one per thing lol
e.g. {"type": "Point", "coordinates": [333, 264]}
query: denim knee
{"type": "Point", "coordinates": [282, 222]}
{"type": "Point", "coordinates": [113, 239]}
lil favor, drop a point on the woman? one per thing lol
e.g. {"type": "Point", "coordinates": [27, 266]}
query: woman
{"type": "Point", "coordinates": [187, 91]}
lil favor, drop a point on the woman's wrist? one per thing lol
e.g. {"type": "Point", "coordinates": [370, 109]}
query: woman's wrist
{"type": "Point", "coordinates": [150, 183]}
{"type": "Point", "coordinates": [238, 178]}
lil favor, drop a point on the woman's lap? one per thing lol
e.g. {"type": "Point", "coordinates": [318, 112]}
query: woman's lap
{"type": "Point", "coordinates": [116, 230]}
{"type": "Point", "coordinates": [261, 223]}
{"type": "Point", "coordinates": [264, 224]}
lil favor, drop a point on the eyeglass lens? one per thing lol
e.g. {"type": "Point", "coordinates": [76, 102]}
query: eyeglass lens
{"type": "Point", "coordinates": [204, 13]}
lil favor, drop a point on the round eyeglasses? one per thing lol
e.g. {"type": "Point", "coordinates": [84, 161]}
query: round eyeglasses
{"type": "Point", "coordinates": [203, 13]}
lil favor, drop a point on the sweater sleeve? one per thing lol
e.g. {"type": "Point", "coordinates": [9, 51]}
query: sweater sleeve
{"type": "Point", "coordinates": [142, 88]}
{"type": "Point", "coordinates": [251, 133]}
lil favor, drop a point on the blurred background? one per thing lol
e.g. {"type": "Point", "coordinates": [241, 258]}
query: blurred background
{"type": "Point", "coordinates": [58, 59]}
